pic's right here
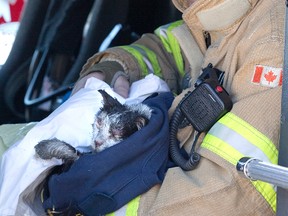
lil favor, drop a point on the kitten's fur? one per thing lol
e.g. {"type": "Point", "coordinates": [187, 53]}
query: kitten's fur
{"type": "Point", "coordinates": [113, 123]}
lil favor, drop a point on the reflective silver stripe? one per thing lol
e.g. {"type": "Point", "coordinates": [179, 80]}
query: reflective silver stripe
{"type": "Point", "coordinates": [130, 209]}
{"type": "Point", "coordinates": [121, 211]}
{"type": "Point", "coordinates": [237, 141]}
{"type": "Point", "coordinates": [163, 29]}
{"type": "Point", "coordinates": [145, 59]}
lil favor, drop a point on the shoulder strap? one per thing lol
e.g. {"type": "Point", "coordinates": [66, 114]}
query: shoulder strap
{"type": "Point", "coordinates": [282, 194]}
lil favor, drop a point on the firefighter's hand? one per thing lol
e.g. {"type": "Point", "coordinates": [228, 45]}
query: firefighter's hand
{"type": "Point", "coordinates": [121, 85]}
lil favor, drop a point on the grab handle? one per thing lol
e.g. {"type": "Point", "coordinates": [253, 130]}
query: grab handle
{"type": "Point", "coordinates": [255, 169]}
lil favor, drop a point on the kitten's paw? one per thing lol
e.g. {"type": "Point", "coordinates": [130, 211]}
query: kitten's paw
{"type": "Point", "coordinates": [47, 149]}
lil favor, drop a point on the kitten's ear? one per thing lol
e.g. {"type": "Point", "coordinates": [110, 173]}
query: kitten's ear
{"type": "Point", "coordinates": [141, 122]}
{"type": "Point", "coordinates": [109, 101]}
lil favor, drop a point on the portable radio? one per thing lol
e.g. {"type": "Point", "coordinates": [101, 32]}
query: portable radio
{"type": "Point", "coordinates": [202, 107]}
{"type": "Point", "coordinates": [205, 105]}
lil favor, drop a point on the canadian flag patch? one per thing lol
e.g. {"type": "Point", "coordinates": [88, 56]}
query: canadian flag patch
{"type": "Point", "coordinates": [267, 76]}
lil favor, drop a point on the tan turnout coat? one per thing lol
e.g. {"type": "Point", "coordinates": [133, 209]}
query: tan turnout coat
{"type": "Point", "coordinates": [244, 33]}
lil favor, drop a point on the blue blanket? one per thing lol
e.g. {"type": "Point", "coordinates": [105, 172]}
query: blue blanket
{"type": "Point", "coordinates": [101, 183]}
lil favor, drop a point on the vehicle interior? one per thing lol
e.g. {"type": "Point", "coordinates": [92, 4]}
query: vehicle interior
{"type": "Point", "coordinates": [54, 40]}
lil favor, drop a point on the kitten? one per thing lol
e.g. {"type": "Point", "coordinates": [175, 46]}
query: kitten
{"type": "Point", "coordinates": [113, 123]}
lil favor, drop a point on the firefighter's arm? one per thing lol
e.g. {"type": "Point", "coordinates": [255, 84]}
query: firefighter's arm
{"type": "Point", "coordinates": [152, 53]}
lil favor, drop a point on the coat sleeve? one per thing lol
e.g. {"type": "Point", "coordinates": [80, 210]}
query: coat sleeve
{"type": "Point", "coordinates": [158, 53]}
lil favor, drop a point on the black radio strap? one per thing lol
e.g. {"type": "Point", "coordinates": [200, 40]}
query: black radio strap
{"type": "Point", "coordinates": [282, 194]}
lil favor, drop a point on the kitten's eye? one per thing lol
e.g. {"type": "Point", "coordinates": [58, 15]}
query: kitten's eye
{"type": "Point", "coordinates": [117, 135]}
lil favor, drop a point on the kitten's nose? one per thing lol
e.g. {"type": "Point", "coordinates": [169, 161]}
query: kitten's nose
{"type": "Point", "coordinates": [98, 143]}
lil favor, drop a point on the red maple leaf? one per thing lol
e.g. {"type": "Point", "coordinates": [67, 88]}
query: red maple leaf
{"type": "Point", "coordinates": [270, 77]}
{"type": "Point", "coordinates": [16, 8]}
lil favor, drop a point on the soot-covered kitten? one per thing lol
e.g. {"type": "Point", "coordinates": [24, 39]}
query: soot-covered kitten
{"type": "Point", "coordinates": [113, 123]}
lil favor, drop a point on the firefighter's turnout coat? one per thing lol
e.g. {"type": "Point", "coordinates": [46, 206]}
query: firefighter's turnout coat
{"type": "Point", "coordinates": [245, 39]}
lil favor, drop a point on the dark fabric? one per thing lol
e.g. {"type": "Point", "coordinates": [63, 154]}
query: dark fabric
{"type": "Point", "coordinates": [63, 28]}
{"type": "Point", "coordinates": [103, 182]}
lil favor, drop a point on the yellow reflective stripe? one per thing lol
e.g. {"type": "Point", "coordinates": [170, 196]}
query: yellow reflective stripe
{"type": "Point", "coordinates": [161, 32]}
{"type": "Point", "coordinates": [171, 44]}
{"type": "Point", "coordinates": [176, 51]}
{"type": "Point", "coordinates": [252, 135]}
{"type": "Point", "coordinates": [129, 209]}
{"type": "Point", "coordinates": [138, 57]}
{"type": "Point", "coordinates": [267, 191]}
{"type": "Point", "coordinates": [232, 138]}
{"type": "Point", "coordinates": [217, 145]}
{"type": "Point", "coordinates": [237, 141]}
{"type": "Point", "coordinates": [231, 155]}
{"type": "Point", "coordinates": [133, 206]}
{"type": "Point", "coordinates": [152, 58]}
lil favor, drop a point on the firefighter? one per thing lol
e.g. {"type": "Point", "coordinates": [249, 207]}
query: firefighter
{"type": "Point", "coordinates": [244, 39]}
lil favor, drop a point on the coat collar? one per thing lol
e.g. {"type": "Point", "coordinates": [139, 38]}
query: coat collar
{"type": "Point", "coordinates": [213, 15]}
